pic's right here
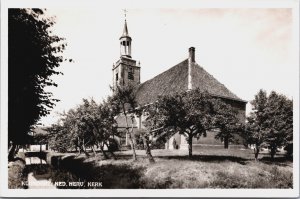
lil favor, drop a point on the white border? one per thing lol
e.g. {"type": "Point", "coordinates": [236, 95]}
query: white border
{"type": "Point", "coordinates": [118, 4]}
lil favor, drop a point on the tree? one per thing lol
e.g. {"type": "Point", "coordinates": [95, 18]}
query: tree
{"type": "Point", "coordinates": [270, 123]}
{"type": "Point", "coordinates": [34, 53]}
{"type": "Point", "coordinates": [100, 118]}
{"type": "Point", "coordinates": [124, 102]}
{"type": "Point", "coordinates": [279, 123]}
{"type": "Point", "coordinates": [256, 129]}
{"type": "Point", "coordinates": [88, 125]}
{"type": "Point", "coordinates": [190, 113]}
{"type": "Point", "coordinates": [60, 139]}
{"type": "Point", "coordinates": [227, 122]}
{"type": "Point", "coordinates": [147, 143]}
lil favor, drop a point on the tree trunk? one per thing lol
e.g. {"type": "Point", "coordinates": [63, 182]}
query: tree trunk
{"type": "Point", "coordinates": [17, 149]}
{"type": "Point", "coordinates": [132, 147]}
{"type": "Point", "coordinates": [94, 152]}
{"type": "Point", "coordinates": [79, 150]}
{"type": "Point", "coordinates": [190, 143]}
{"type": "Point", "coordinates": [103, 152]}
{"type": "Point", "coordinates": [148, 149]}
{"type": "Point", "coordinates": [226, 142]}
{"type": "Point", "coordinates": [84, 149]}
{"type": "Point", "coordinates": [256, 152]}
{"type": "Point", "coordinates": [11, 152]}
{"type": "Point", "coordinates": [110, 151]}
{"type": "Point", "coordinates": [130, 135]}
{"type": "Point", "coordinates": [78, 146]}
{"type": "Point", "coordinates": [273, 152]}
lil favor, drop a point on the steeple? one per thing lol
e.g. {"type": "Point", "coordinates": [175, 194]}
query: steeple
{"type": "Point", "coordinates": [126, 70]}
{"type": "Point", "coordinates": [125, 41]}
{"type": "Point", "coordinates": [125, 30]}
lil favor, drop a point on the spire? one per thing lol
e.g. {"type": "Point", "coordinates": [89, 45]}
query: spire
{"type": "Point", "coordinates": [125, 41]}
{"type": "Point", "coordinates": [125, 30]}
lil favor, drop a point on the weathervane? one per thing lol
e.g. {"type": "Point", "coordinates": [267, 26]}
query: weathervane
{"type": "Point", "coordinates": [125, 11]}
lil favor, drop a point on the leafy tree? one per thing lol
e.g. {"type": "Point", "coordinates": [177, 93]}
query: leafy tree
{"type": "Point", "coordinates": [100, 118]}
{"type": "Point", "coordinates": [34, 53]}
{"type": "Point", "coordinates": [145, 136]}
{"type": "Point", "coordinates": [256, 128]}
{"type": "Point", "coordinates": [279, 123]}
{"type": "Point", "coordinates": [124, 102]}
{"type": "Point", "coordinates": [88, 125]}
{"type": "Point", "coordinates": [60, 139]}
{"type": "Point", "coordinates": [227, 122]}
{"type": "Point", "coordinates": [271, 122]}
{"type": "Point", "coordinates": [189, 113]}
{"type": "Point", "coordinates": [64, 135]}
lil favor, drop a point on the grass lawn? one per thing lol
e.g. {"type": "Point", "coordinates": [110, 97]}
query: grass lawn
{"type": "Point", "coordinates": [209, 168]}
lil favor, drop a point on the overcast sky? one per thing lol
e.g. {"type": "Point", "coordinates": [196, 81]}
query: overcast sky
{"type": "Point", "coordinates": [245, 49]}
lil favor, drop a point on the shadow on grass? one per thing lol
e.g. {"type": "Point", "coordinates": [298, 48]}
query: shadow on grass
{"type": "Point", "coordinates": [281, 161]}
{"type": "Point", "coordinates": [208, 158]}
{"type": "Point", "coordinates": [110, 176]}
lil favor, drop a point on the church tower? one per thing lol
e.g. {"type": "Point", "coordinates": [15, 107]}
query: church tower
{"type": "Point", "coordinates": [126, 70]}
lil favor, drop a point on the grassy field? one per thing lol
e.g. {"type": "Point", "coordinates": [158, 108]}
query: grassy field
{"type": "Point", "coordinates": [209, 168]}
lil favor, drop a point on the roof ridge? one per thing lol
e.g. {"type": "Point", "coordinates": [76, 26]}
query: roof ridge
{"type": "Point", "coordinates": [164, 71]}
{"type": "Point", "coordinates": [175, 79]}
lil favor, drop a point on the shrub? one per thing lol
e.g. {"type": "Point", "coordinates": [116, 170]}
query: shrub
{"type": "Point", "coordinates": [15, 175]}
{"type": "Point", "coordinates": [113, 145]}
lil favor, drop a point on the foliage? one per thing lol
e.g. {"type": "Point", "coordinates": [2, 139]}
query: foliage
{"type": "Point", "coordinates": [87, 125]}
{"type": "Point", "coordinates": [113, 145]}
{"type": "Point", "coordinates": [34, 53]}
{"type": "Point", "coordinates": [124, 101]}
{"type": "Point", "coordinates": [271, 122]}
{"type": "Point", "coordinates": [189, 113]}
{"type": "Point", "coordinates": [227, 122]}
{"type": "Point", "coordinates": [39, 139]}
{"type": "Point", "coordinates": [60, 139]}
{"type": "Point", "coordinates": [16, 175]}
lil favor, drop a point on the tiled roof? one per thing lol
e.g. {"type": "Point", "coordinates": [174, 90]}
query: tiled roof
{"type": "Point", "coordinates": [175, 80]}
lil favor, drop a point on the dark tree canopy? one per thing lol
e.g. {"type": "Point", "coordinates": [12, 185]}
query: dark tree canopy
{"type": "Point", "coordinates": [271, 122]}
{"type": "Point", "coordinates": [227, 122]}
{"type": "Point", "coordinates": [34, 53]}
{"type": "Point", "coordinates": [190, 113]}
{"type": "Point", "coordinates": [88, 125]}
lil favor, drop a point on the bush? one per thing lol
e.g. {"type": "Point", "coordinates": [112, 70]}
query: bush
{"type": "Point", "coordinates": [15, 174]}
{"type": "Point", "coordinates": [139, 142]}
{"type": "Point", "coordinates": [113, 145]}
{"type": "Point", "coordinates": [289, 150]}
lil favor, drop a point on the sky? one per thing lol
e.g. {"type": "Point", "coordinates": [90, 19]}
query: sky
{"type": "Point", "coordinates": [246, 49]}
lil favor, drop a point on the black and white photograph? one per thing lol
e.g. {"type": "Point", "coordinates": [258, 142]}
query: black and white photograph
{"type": "Point", "coordinates": [133, 98]}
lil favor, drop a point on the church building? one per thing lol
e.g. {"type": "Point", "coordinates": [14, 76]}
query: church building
{"type": "Point", "coordinates": [185, 75]}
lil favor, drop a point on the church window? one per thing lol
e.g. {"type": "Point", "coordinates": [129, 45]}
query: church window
{"type": "Point", "coordinates": [117, 76]}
